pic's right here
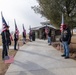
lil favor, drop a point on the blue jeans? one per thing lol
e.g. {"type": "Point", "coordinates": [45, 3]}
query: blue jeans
{"type": "Point", "coordinates": [49, 39]}
{"type": "Point", "coordinates": [66, 48]}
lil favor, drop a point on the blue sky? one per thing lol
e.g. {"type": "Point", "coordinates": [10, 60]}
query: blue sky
{"type": "Point", "coordinates": [21, 11]}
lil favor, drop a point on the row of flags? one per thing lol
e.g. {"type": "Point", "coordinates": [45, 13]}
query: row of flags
{"type": "Point", "coordinates": [5, 25]}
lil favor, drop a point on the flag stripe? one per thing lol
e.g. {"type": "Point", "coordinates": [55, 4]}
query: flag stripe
{"type": "Point", "coordinates": [61, 27]}
{"type": "Point", "coordinates": [4, 24]}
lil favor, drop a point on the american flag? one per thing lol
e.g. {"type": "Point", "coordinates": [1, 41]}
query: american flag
{"type": "Point", "coordinates": [46, 30]}
{"type": "Point", "coordinates": [61, 27]}
{"type": "Point", "coordinates": [24, 30]}
{"type": "Point", "coordinates": [16, 29]}
{"type": "Point", "coordinates": [4, 24]}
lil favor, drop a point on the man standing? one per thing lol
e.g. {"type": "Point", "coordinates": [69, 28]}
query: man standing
{"type": "Point", "coordinates": [44, 35]}
{"type": "Point", "coordinates": [15, 40]}
{"type": "Point", "coordinates": [16, 36]}
{"type": "Point", "coordinates": [24, 37]}
{"type": "Point", "coordinates": [66, 39]}
{"type": "Point", "coordinates": [30, 35]}
{"type": "Point", "coordinates": [5, 40]}
{"type": "Point", "coordinates": [33, 36]}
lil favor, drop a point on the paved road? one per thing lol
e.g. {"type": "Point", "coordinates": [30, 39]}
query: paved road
{"type": "Point", "coordinates": [38, 58]}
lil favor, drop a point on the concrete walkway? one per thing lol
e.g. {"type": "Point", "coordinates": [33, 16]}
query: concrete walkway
{"type": "Point", "coordinates": [38, 58]}
{"type": "Point", "coordinates": [10, 47]}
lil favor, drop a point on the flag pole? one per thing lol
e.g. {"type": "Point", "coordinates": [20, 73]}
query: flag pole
{"type": "Point", "coordinates": [61, 28]}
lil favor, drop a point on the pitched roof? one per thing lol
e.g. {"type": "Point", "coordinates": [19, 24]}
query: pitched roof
{"type": "Point", "coordinates": [39, 27]}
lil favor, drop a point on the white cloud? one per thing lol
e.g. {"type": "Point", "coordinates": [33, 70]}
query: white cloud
{"type": "Point", "coordinates": [21, 11]}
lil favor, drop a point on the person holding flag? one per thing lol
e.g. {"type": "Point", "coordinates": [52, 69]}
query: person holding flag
{"type": "Point", "coordinates": [33, 36]}
{"type": "Point", "coordinates": [5, 38]}
{"type": "Point", "coordinates": [30, 34]}
{"type": "Point", "coordinates": [16, 36]}
{"type": "Point", "coordinates": [44, 34]}
{"type": "Point", "coordinates": [65, 39]}
{"type": "Point", "coordinates": [24, 35]}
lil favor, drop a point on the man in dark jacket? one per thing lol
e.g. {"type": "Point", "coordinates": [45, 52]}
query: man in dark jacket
{"type": "Point", "coordinates": [8, 40]}
{"type": "Point", "coordinates": [15, 40]}
{"type": "Point", "coordinates": [33, 36]}
{"type": "Point", "coordinates": [5, 40]}
{"type": "Point", "coordinates": [44, 35]}
{"type": "Point", "coordinates": [30, 35]}
{"type": "Point", "coordinates": [66, 39]}
{"type": "Point", "coordinates": [24, 38]}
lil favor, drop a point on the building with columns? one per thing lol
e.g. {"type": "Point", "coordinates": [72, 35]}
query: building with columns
{"type": "Point", "coordinates": [40, 29]}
